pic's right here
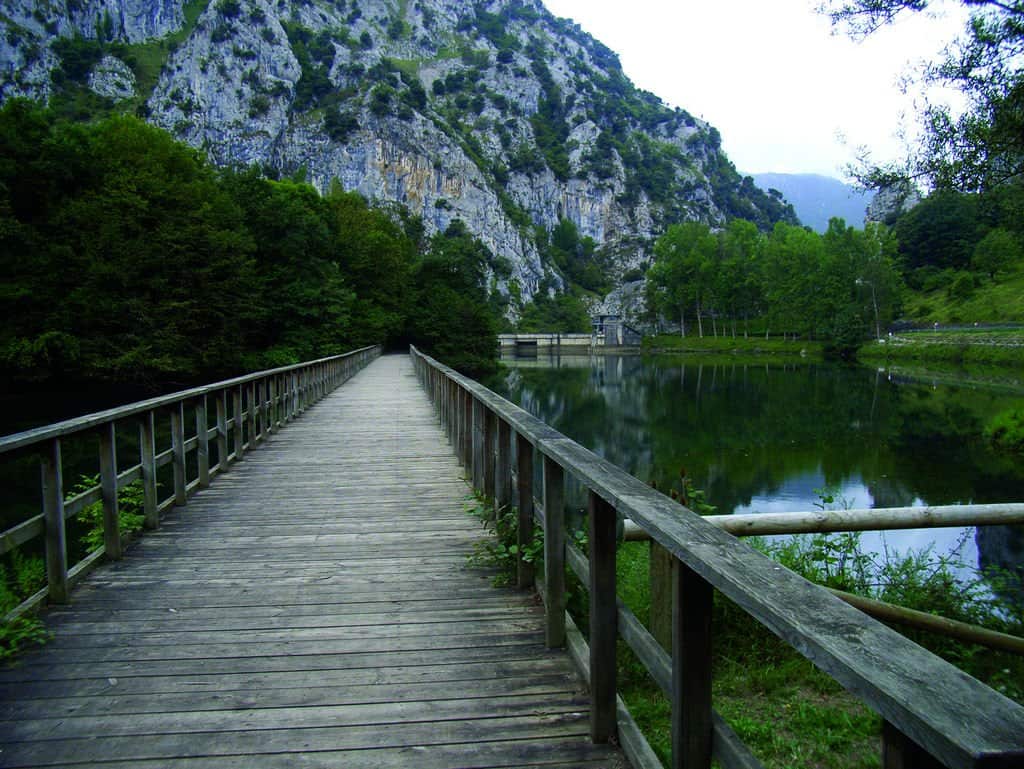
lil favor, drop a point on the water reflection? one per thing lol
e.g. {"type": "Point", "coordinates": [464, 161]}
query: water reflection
{"type": "Point", "coordinates": [767, 437]}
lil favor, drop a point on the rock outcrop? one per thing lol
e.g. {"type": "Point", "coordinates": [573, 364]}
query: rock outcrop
{"type": "Point", "coordinates": [496, 113]}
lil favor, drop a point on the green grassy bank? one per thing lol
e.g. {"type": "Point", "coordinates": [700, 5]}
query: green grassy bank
{"type": "Point", "coordinates": [752, 346]}
{"type": "Point", "coordinates": [970, 346]}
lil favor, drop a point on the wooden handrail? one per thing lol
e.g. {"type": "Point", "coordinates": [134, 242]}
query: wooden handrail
{"type": "Point", "coordinates": [934, 713]}
{"type": "Point", "coordinates": [262, 402]}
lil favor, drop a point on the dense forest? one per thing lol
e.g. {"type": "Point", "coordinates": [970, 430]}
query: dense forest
{"type": "Point", "coordinates": [846, 285]}
{"type": "Point", "coordinates": [127, 257]}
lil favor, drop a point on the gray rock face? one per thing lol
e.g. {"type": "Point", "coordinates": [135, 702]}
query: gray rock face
{"type": "Point", "coordinates": [496, 114]}
{"type": "Point", "coordinates": [113, 79]}
{"type": "Point", "coordinates": [890, 202]}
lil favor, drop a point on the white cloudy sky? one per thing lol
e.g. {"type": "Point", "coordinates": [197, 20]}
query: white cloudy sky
{"type": "Point", "coordinates": [786, 93]}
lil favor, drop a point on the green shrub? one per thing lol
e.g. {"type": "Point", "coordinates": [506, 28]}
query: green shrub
{"type": "Point", "coordinates": [130, 502]}
{"type": "Point", "coordinates": [1006, 431]}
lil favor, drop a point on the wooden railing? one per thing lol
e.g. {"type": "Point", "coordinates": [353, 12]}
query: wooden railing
{"type": "Point", "coordinates": [934, 714]}
{"type": "Point", "coordinates": [245, 411]}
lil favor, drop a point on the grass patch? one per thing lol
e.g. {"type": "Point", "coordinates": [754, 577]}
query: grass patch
{"type": "Point", "coordinates": [748, 346]}
{"type": "Point", "coordinates": [986, 347]}
{"type": "Point", "coordinates": [991, 302]}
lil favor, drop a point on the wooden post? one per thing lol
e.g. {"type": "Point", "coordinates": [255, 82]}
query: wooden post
{"type": "Point", "coordinates": [147, 455]}
{"type": "Point", "coordinates": [691, 669]}
{"type": "Point", "coordinates": [202, 442]}
{"type": "Point", "coordinates": [467, 433]}
{"type": "Point", "coordinates": [660, 575]}
{"type": "Point", "coordinates": [503, 467]}
{"type": "Point", "coordinates": [478, 445]}
{"type": "Point", "coordinates": [239, 428]}
{"type": "Point", "coordinates": [178, 453]}
{"type": "Point", "coordinates": [524, 509]}
{"type": "Point", "coordinates": [489, 437]}
{"type": "Point", "coordinates": [554, 553]}
{"type": "Point", "coordinates": [261, 395]}
{"type": "Point", "coordinates": [251, 413]}
{"type": "Point", "coordinates": [221, 405]}
{"type": "Point", "coordinates": [901, 752]}
{"type": "Point", "coordinates": [53, 514]}
{"type": "Point", "coordinates": [269, 396]}
{"type": "Point", "coordinates": [108, 485]}
{"type": "Point", "coordinates": [603, 619]}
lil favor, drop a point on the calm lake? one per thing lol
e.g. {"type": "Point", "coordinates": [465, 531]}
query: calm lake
{"type": "Point", "coordinates": [768, 437]}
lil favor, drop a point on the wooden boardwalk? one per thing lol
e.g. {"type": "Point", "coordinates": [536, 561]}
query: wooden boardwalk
{"type": "Point", "coordinates": [312, 608]}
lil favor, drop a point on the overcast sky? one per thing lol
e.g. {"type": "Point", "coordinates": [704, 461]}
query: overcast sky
{"type": "Point", "coordinates": [786, 93]}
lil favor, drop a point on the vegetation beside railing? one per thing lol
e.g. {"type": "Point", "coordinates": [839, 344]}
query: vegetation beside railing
{"type": "Point", "coordinates": [921, 699]}
{"type": "Point", "coordinates": [227, 420]}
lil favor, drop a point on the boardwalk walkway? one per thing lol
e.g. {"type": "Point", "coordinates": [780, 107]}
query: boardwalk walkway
{"type": "Point", "coordinates": [312, 608]}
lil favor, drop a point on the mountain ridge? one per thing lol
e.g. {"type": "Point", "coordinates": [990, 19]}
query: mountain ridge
{"type": "Point", "coordinates": [497, 114]}
{"type": "Point", "coordinates": [816, 198]}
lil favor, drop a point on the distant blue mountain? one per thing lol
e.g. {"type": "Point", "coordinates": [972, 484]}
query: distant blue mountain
{"type": "Point", "coordinates": [818, 198]}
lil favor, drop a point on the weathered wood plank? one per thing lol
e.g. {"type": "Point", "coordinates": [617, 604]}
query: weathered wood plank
{"type": "Point", "coordinates": [313, 607]}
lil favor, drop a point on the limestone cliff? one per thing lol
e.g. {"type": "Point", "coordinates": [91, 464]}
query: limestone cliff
{"type": "Point", "coordinates": [498, 113]}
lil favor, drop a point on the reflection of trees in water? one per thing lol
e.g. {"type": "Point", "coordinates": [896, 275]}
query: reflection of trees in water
{"type": "Point", "coordinates": [741, 430]}
{"type": "Point", "coordinates": [1001, 548]}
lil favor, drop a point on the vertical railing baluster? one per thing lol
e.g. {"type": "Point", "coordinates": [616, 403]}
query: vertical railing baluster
{"type": "Point", "coordinates": [603, 619]}
{"type": "Point", "coordinates": [53, 514]}
{"type": "Point", "coordinates": [502, 466]}
{"type": "Point", "coordinates": [524, 505]}
{"type": "Point", "coordinates": [108, 487]}
{"type": "Point", "coordinates": [239, 426]}
{"type": "Point", "coordinates": [488, 454]}
{"type": "Point", "coordinates": [901, 752]}
{"type": "Point", "coordinates": [554, 553]}
{"type": "Point", "coordinates": [147, 457]}
{"type": "Point", "coordinates": [467, 432]}
{"type": "Point", "coordinates": [691, 668]}
{"type": "Point", "coordinates": [178, 453]}
{"type": "Point", "coordinates": [479, 445]}
{"type": "Point", "coordinates": [221, 406]}
{"type": "Point", "coordinates": [202, 442]}
{"type": "Point", "coordinates": [251, 414]}
{"type": "Point", "coordinates": [272, 423]}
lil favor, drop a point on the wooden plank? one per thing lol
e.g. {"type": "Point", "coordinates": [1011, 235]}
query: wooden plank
{"type": "Point", "coordinates": [603, 616]}
{"type": "Point", "coordinates": [53, 514]}
{"type": "Point", "coordinates": [108, 482]}
{"type": "Point", "coordinates": [311, 608]}
{"type": "Point", "coordinates": [524, 505]}
{"type": "Point", "coordinates": [147, 455]}
{"type": "Point", "coordinates": [178, 453]}
{"type": "Point", "coordinates": [554, 553]}
{"type": "Point", "coordinates": [691, 669]}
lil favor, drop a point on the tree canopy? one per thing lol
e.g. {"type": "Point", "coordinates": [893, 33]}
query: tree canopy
{"type": "Point", "coordinates": [842, 286]}
{"type": "Point", "coordinates": [984, 146]}
{"type": "Point", "coordinates": [127, 257]}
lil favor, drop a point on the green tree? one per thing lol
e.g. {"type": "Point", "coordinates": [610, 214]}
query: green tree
{"type": "Point", "coordinates": [791, 260]}
{"type": "Point", "coordinates": [303, 305]}
{"type": "Point", "coordinates": [450, 317]}
{"type": "Point", "coordinates": [996, 252]}
{"type": "Point", "coordinates": [682, 275]}
{"type": "Point", "coordinates": [377, 258]}
{"type": "Point", "coordinates": [131, 264]}
{"type": "Point", "coordinates": [984, 147]}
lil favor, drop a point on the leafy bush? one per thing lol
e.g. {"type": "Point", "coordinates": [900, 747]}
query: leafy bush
{"type": "Point", "coordinates": [20, 578]}
{"type": "Point", "coordinates": [78, 55]}
{"type": "Point", "coordinates": [1006, 431]}
{"type": "Point", "coordinates": [130, 502]}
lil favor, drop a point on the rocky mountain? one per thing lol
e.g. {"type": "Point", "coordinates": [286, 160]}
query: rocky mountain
{"type": "Point", "coordinates": [816, 198]}
{"type": "Point", "coordinates": [496, 113]}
